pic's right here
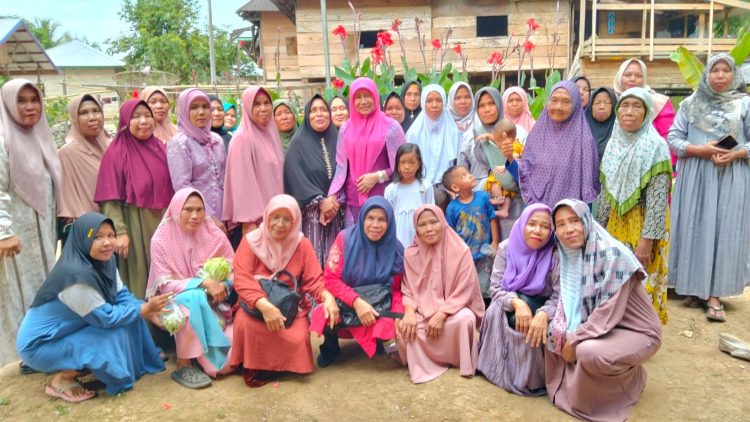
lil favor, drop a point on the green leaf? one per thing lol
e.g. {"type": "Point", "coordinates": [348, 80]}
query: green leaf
{"type": "Point", "coordinates": [741, 49]}
{"type": "Point", "coordinates": [495, 84]}
{"type": "Point", "coordinates": [424, 78]}
{"type": "Point", "coordinates": [445, 72]}
{"type": "Point", "coordinates": [329, 93]}
{"type": "Point", "coordinates": [690, 67]}
{"type": "Point", "coordinates": [344, 75]}
{"type": "Point", "coordinates": [412, 74]}
{"type": "Point", "coordinates": [365, 70]}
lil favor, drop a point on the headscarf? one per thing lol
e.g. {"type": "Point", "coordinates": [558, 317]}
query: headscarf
{"type": "Point", "coordinates": [165, 129]}
{"type": "Point", "coordinates": [527, 268]}
{"type": "Point", "coordinates": [441, 277]}
{"type": "Point", "coordinates": [659, 100]}
{"type": "Point", "coordinates": [410, 115]}
{"type": "Point", "coordinates": [588, 83]}
{"type": "Point", "coordinates": [30, 150]}
{"type": "Point", "coordinates": [394, 94]}
{"type": "Point", "coordinates": [220, 129]}
{"type": "Point", "coordinates": [311, 160]}
{"type": "Point", "coordinates": [438, 140]}
{"type": "Point", "coordinates": [286, 136]}
{"type": "Point", "coordinates": [559, 159]}
{"type": "Point", "coordinates": [494, 155]}
{"type": "Point", "coordinates": [591, 275]}
{"type": "Point", "coordinates": [463, 123]}
{"type": "Point", "coordinates": [202, 135]}
{"type": "Point", "coordinates": [76, 266]}
{"type": "Point", "coordinates": [276, 254]}
{"type": "Point", "coordinates": [132, 170]}
{"type": "Point", "coordinates": [80, 160]}
{"type": "Point", "coordinates": [255, 165]}
{"type": "Point", "coordinates": [717, 113]}
{"type": "Point", "coordinates": [346, 104]}
{"type": "Point", "coordinates": [227, 106]}
{"type": "Point", "coordinates": [367, 262]}
{"type": "Point", "coordinates": [633, 158]}
{"type": "Point", "coordinates": [525, 120]}
{"type": "Point", "coordinates": [601, 130]}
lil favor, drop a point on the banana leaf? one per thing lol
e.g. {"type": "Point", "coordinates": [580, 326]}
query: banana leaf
{"type": "Point", "coordinates": [690, 67]}
{"type": "Point", "coordinates": [741, 49]}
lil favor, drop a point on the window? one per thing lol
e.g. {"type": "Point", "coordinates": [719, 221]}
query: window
{"type": "Point", "coordinates": [492, 26]}
{"type": "Point", "coordinates": [368, 39]}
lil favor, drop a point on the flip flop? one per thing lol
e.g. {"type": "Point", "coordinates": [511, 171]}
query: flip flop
{"type": "Point", "coordinates": [733, 345]}
{"type": "Point", "coordinates": [62, 392]}
{"type": "Point", "coordinates": [26, 369]}
{"type": "Point", "coordinates": [191, 377]}
{"type": "Point", "coordinates": [712, 313]}
{"type": "Point", "coordinates": [693, 302]}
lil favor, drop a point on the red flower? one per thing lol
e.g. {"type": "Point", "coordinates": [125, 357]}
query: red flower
{"type": "Point", "coordinates": [242, 43]}
{"type": "Point", "coordinates": [532, 24]}
{"type": "Point", "coordinates": [135, 93]}
{"type": "Point", "coordinates": [436, 44]}
{"type": "Point", "coordinates": [457, 49]}
{"type": "Point", "coordinates": [377, 55]}
{"type": "Point", "coordinates": [395, 25]}
{"type": "Point", "coordinates": [340, 31]}
{"type": "Point", "coordinates": [496, 58]}
{"type": "Point", "coordinates": [384, 39]}
{"type": "Point", "coordinates": [528, 46]}
{"type": "Point", "coordinates": [337, 83]}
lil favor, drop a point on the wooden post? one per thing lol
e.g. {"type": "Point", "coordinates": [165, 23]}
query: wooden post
{"type": "Point", "coordinates": [701, 25]}
{"type": "Point", "coordinates": [651, 41]}
{"type": "Point", "coordinates": [582, 24]}
{"type": "Point", "coordinates": [593, 30]}
{"type": "Point", "coordinates": [726, 22]}
{"type": "Point", "coordinates": [643, 26]}
{"type": "Point", "coordinates": [710, 29]}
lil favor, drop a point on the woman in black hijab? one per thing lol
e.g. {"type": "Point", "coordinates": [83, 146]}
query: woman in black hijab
{"type": "Point", "coordinates": [411, 93]}
{"type": "Point", "coordinates": [600, 115]}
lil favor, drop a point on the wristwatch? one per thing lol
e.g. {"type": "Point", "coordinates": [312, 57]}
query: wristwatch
{"type": "Point", "coordinates": [382, 176]}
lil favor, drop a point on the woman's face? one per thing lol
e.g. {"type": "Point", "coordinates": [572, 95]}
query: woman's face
{"type": "Point", "coordinates": [538, 229]}
{"type": "Point", "coordinates": [142, 123]}
{"type": "Point", "coordinates": [159, 106]}
{"type": "Point", "coordinates": [569, 228]}
{"type": "Point", "coordinates": [462, 101]}
{"type": "Point", "coordinates": [584, 90]}
{"type": "Point", "coordinates": [601, 107]}
{"type": "Point", "coordinates": [230, 118]}
{"type": "Point", "coordinates": [394, 109]}
{"type": "Point", "coordinates": [429, 228]}
{"type": "Point", "coordinates": [632, 77]}
{"type": "Point", "coordinates": [284, 118]}
{"type": "Point", "coordinates": [487, 109]}
{"type": "Point", "coordinates": [29, 106]}
{"type": "Point", "coordinates": [200, 113]}
{"type": "Point", "coordinates": [193, 213]}
{"type": "Point", "coordinates": [560, 105]}
{"type": "Point", "coordinates": [90, 119]}
{"type": "Point", "coordinates": [631, 113]}
{"type": "Point", "coordinates": [363, 102]}
{"type": "Point", "coordinates": [376, 224]}
{"type": "Point", "coordinates": [720, 76]}
{"type": "Point", "coordinates": [339, 112]}
{"type": "Point", "coordinates": [433, 105]}
{"type": "Point", "coordinates": [320, 118]}
{"type": "Point", "coordinates": [217, 114]}
{"type": "Point", "coordinates": [103, 245]}
{"type": "Point", "coordinates": [280, 223]}
{"type": "Point", "coordinates": [411, 98]}
{"type": "Point", "coordinates": [262, 109]}
{"type": "Point", "coordinates": [515, 105]}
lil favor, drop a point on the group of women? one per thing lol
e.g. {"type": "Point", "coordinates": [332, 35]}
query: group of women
{"type": "Point", "coordinates": [165, 199]}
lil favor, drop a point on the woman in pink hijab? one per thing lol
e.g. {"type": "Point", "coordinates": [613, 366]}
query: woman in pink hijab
{"type": "Point", "coordinates": [366, 150]}
{"type": "Point", "coordinates": [442, 301]}
{"type": "Point", "coordinates": [516, 108]}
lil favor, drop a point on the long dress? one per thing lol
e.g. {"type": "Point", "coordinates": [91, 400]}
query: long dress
{"type": "Point", "coordinates": [504, 357]}
{"type": "Point", "coordinates": [405, 199]}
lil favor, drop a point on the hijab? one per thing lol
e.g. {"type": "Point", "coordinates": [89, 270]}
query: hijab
{"type": "Point", "coordinates": [179, 254]}
{"type": "Point", "coordinates": [588, 84]}
{"type": "Point", "coordinates": [463, 123]}
{"type": "Point", "coordinates": [311, 159]}
{"type": "Point", "coordinates": [410, 115]}
{"type": "Point", "coordinates": [227, 106]}
{"type": "Point", "coordinates": [80, 160]}
{"type": "Point", "coordinates": [132, 170]}
{"type": "Point", "coordinates": [659, 100]}
{"type": "Point", "coordinates": [633, 158]}
{"type": "Point", "coordinates": [219, 129]}
{"type": "Point", "coordinates": [276, 254]}
{"type": "Point", "coordinates": [438, 140]}
{"type": "Point", "coordinates": [286, 136]}
{"type": "Point", "coordinates": [165, 129]}
{"type": "Point", "coordinates": [367, 262]}
{"type": "Point", "coordinates": [527, 268]}
{"type": "Point", "coordinates": [202, 135]}
{"type": "Point", "coordinates": [255, 165]}
{"type": "Point", "coordinates": [494, 155]}
{"type": "Point", "coordinates": [525, 119]}
{"type": "Point", "coordinates": [30, 150]}
{"type": "Point", "coordinates": [559, 159]}
{"type": "Point", "coordinates": [601, 130]}
{"type": "Point", "coordinates": [396, 95]}
{"type": "Point", "coordinates": [441, 277]}
{"type": "Point", "coordinates": [76, 266]}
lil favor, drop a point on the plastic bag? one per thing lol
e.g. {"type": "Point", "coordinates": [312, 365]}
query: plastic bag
{"type": "Point", "coordinates": [172, 317]}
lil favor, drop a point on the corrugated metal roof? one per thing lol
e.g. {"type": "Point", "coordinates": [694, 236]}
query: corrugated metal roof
{"type": "Point", "coordinates": [79, 54]}
{"type": "Point", "coordinates": [21, 50]}
{"type": "Point", "coordinates": [258, 6]}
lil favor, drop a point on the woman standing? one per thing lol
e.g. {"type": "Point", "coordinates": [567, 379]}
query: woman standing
{"type": "Point", "coordinates": [29, 189]}
{"type": "Point", "coordinates": [472, 155]}
{"type": "Point", "coordinates": [133, 190]}
{"type": "Point", "coordinates": [158, 102]}
{"type": "Point", "coordinates": [584, 88]}
{"type": "Point", "coordinates": [217, 119]}
{"type": "Point", "coordinates": [411, 92]}
{"type": "Point", "coordinates": [393, 107]}
{"type": "Point", "coordinates": [601, 116]}
{"type": "Point", "coordinates": [516, 108]}
{"type": "Point", "coordinates": [718, 181]}
{"type": "Point", "coordinates": [286, 121]}
{"type": "Point", "coordinates": [339, 111]}
{"type": "Point", "coordinates": [461, 106]}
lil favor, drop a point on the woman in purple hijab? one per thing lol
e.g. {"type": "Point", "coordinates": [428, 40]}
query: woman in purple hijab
{"type": "Point", "coordinates": [560, 159]}
{"type": "Point", "coordinates": [525, 286]}
{"type": "Point", "coordinates": [133, 190]}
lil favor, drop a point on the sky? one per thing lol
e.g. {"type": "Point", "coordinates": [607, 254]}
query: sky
{"type": "Point", "coordinates": [98, 20]}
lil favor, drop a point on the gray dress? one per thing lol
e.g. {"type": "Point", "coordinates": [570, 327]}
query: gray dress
{"type": "Point", "coordinates": [710, 225]}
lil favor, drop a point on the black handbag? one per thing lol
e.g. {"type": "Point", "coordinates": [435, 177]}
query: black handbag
{"type": "Point", "coordinates": [280, 295]}
{"type": "Point", "coordinates": [534, 302]}
{"type": "Point", "coordinates": [379, 296]}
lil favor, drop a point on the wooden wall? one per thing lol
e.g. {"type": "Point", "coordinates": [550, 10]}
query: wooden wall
{"type": "Point", "coordinates": [269, 38]}
{"type": "Point", "coordinates": [662, 73]}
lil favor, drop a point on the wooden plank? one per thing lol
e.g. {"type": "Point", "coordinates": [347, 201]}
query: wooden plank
{"type": "Point", "coordinates": [582, 23]}
{"type": "Point", "coordinates": [651, 41]}
{"type": "Point", "coordinates": [660, 6]}
{"type": "Point", "coordinates": [710, 27]}
{"type": "Point", "coordinates": [448, 8]}
{"type": "Point", "coordinates": [593, 30]}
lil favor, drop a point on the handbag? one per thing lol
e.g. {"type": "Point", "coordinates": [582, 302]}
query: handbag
{"type": "Point", "coordinates": [379, 296]}
{"type": "Point", "coordinates": [534, 302]}
{"type": "Point", "coordinates": [280, 295]}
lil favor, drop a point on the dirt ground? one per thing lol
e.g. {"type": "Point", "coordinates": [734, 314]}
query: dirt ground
{"type": "Point", "coordinates": [689, 379]}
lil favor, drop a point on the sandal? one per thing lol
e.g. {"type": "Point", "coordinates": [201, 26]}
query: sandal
{"type": "Point", "coordinates": [26, 369]}
{"type": "Point", "coordinates": [191, 377]}
{"type": "Point", "coordinates": [693, 302]}
{"type": "Point", "coordinates": [715, 313]}
{"type": "Point", "coordinates": [63, 392]}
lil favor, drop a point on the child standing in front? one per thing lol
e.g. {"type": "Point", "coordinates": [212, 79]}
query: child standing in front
{"type": "Point", "coordinates": [472, 216]}
{"type": "Point", "coordinates": [408, 191]}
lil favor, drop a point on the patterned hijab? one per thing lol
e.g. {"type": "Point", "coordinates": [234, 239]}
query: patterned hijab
{"type": "Point", "coordinates": [527, 268]}
{"type": "Point", "coordinates": [276, 254]}
{"type": "Point", "coordinates": [464, 123]}
{"type": "Point", "coordinates": [165, 129]}
{"type": "Point", "coordinates": [633, 158]}
{"type": "Point", "coordinates": [525, 119]}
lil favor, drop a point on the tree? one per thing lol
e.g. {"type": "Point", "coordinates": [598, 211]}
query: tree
{"type": "Point", "coordinates": [45, 30]}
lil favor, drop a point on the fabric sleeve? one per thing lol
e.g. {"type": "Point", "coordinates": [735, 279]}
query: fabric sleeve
{"type": "Point", "coordinates": [657, 195]}
{"type": "Point", "coordinates": [88, 303]}
{"type": "Point", "coordinates": [390, 193]}
{"type": "Point", "coordinates": [6, 219]}
{"type": "Point", "coordinates": [334, 273]}
{"type": "Point", "coordinates": [114, 211]}
{"type": "Point", "coordinates": [464, 153]}
{"type": "Point", "coordinates": [678, 133]}
{"type": "Point", "coordinates": [553, 283]}
{"type": "Point", "coordinates": [342, 167]}
{"type": "Point", "coordinates": [180, 165]}
{"type": "Point", "coordinates": [464, 286]}
{"type": "Point", "coordinates": [407, 295]}
{"type": "Point", "coordinates": [606, 316]}
{"type": "Point", "coordinates": [451, 214]}
{"type": "Point", "coordinates": [745, 119]}
{"type": "Point", "coordinates": [513, 170]}
{"type": "Point", "coordinates": [246, 266]}
{"type": "Point", "coordinates": [393, 139]}
{"type": "Point", "coordinates": [499, 295]}
{"type": "Point", "coordinates": [602, 215]}
{"type": "Point", "coordinates": [312, 274]}
{"type": "Point", "coordinates": [429, 195]}
{"type": "Point", "coordinates": [81, 298]}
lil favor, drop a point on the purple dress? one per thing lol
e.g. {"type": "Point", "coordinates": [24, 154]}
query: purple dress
{"type": "Point", "coordinates": [200, 167]}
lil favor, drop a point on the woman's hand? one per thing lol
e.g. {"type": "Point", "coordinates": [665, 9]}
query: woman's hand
{"type": "Point", "coordinates": [643, 251]}
{"type": "Point", "coordinates": [507, 147]}
{"type": "Point", "coordinates": [10, 247]}
{"type": "Point", "coordinates": [408, 325]}
{"type": "Point", "coordinates": [706, 151]}
{"type": "Point", "coordinates": [365, 312]}
{"type": "Point", "coordinates": [727, 158]}
{"type": "Point", "coordinates": [538, 331]}
{"type": "Point", "coordinates": [498, 172]}
{"type": "Point", "coordinates": [154, 305]}
{"type": "Point", "coordinates": [219, 224]}
{"type": "Point", "coordinates": [435, 326]}
{"type": "Point", "coordinates": [271, 315]}
{"type": "Point", "coordinates": [330, 309]}
{"type": "Point", "coordinates": [328, 209]}
{"type": "Point", "coordinates": [523, 315]}
{"type": "Point", "coordinates": [121, 247]}
{"type": "Point", "coordinates": [366, 182]}
{"type": "Point", "coordinates": [569, 353]}
{"type": "Point", "coordinates": [215, 290]}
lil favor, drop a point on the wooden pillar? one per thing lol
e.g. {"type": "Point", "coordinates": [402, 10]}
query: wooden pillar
{"type": "Point", "coordinates": [651, 41]}
{"type": "Point", "coordinates": [593, 30]}
{"type": "Point", "coordinates": [581, 24]}
{"type": "Point", "coordinates": [710, 29]}
{"type": "Point", "coordinates": [725, 22]}
{"type": "Point", "coordinates": [643, 26]}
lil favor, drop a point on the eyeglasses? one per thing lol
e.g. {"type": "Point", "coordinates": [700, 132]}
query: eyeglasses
{"type": "Point", "coordinates": [276, 219]}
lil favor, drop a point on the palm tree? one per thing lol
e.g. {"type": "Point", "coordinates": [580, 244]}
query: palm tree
{"type": "Point", "coordinates": [45, 31]}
